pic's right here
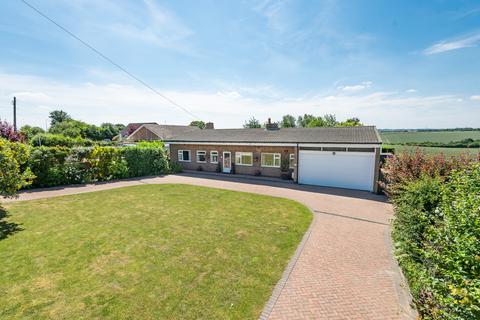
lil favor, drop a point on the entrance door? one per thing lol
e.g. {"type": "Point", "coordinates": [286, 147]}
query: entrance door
{"type": "Point", "coordinates": [227, 162]}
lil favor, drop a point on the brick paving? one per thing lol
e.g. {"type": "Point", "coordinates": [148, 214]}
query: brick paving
{"type": "Point", "coordinates": [342, 270]}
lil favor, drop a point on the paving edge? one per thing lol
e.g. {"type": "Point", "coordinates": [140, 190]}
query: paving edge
{"type": "Point", "coordinates": [277, 291]}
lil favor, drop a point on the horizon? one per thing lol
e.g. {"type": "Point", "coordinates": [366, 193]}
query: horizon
{"type": "Point", "coordinates": [399, 66]}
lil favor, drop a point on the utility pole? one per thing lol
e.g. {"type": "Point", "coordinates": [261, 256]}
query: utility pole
{"type": "Point", "coordinates": [15, 114]}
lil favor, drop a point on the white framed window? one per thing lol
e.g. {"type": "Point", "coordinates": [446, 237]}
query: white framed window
{"type": "Point", "coordinates": [271, 160]}
{"type": "Point", "coordinates": [244, 158]}
{"type": "Point", "coordinates": [213, 156]}
{"type": "Point", "coordinates": [201, 156]}
{"type": "Point", "coordinates": [184, 155]}
{"type": "Point", "coordinates": [291, 161]}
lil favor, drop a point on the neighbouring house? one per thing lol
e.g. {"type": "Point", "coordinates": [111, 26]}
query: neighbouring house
{"type": "Point", "coordinates": [153, 131]}
{"type": "Point", "coordinates": [345, 157]}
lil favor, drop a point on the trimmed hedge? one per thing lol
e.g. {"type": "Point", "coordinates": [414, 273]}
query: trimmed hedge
{"type": "Point", "coordinates": [437, 243]}
{"type": "Point", "coordinates": [54, 166]}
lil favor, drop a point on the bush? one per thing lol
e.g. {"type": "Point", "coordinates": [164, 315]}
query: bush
{"type": "Point", "coordinates": [48, 165]}
{"type": "Point", "coordinates": [437, 243]}
{"type": "Point", "coordinates": [406, 167]}
{"type": "Point", "coordinates": [53, 140]}
{"type": "Point", "coordinates": [13, 173]}
{"type": "Point", "coordinates": [107, 163]}
{"type": "Point", "coordinates": [146, 160]}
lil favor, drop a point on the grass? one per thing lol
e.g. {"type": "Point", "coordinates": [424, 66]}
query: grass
{"type": "Point", "coordinates": [428, 136]}
{"type": "Point", "coordinates": [146, 252]}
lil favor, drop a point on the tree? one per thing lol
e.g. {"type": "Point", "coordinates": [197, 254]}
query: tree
{"type": "Point", "coordinates": [305, 120]}
{"type": "Point", "coordinates": [7, 132]}
{"type": "Point", "coordinates": [58, 116]}
{"type": "Point", "coordinates": [351, 122]}
{"type": "Point", "coordinates": [252, 123]}
{"type": "Point", "coordinates": [330, 120]}
{"type": "Point", "coordinates": [197, 123]}
{"type": "Point", "coordinates": [14, 176]}
{"type": "Point", "coordinates": [29, 131]}
{"type": "Point", "coordinates": [316, 122]}
{"type": "Point", "coordinates": [70, 128]}
{"type": "Point", "coordinates": [288, 121]}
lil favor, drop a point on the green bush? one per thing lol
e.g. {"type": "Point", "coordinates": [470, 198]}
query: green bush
{"type": "Point", "coordinates": [437, 243]}
{"type": "Point", "coordinates": [145, 160]}
{"type": "Point", "coordinates": [13, 173]}
{"type": "Point", "coordinates": [107, 163]}
{"type": "Point", "coordinates": [54, 166]}
{"type": "Point", "coordinates": [48, 165]}
{"type": "Point", "coordinates": [53, 140]}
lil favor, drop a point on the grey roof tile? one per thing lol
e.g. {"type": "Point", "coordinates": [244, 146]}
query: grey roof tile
{"type": "Point", "coordinates": [358, 135]}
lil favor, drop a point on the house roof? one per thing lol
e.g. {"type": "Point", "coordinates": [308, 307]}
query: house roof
{"type": "Point", "coordinates": [164, 131]}
{"type": "Point", "coordinates": [132, 127]}
{"type": "Point", "coordinates": [355, 135]}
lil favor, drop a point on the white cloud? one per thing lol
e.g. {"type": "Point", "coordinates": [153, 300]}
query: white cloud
{"type": "Point", "coordinates": [471, 40]}
{"type": "Point", "coordinates": [475, 98]}
{"type": "Point", "coordinates": [358, 87]}
{"type": "Point", "coordinates": [411, 91]}
{"type": "Point", "coordinates": [120, 103]}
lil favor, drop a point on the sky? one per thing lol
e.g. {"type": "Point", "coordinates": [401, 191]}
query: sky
{"type": "Point", "coordinates": [393, 64]}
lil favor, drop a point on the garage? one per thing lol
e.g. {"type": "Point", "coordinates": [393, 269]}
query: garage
{"type": "Point", "coordinates": [350, 170]}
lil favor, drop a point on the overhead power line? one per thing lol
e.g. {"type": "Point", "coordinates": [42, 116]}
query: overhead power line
{"type": "Point", "coordinates": [105, 57]}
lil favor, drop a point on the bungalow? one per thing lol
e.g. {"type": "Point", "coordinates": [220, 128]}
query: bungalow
{"type": "Point", "coordinates": [345, 157]}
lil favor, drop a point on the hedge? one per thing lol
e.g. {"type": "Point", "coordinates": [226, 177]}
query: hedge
{"type": "Point", "coordinates": [437, 243]}
{"type": "Point", "coordinates": [54, 166]}
{"type": "Point", "coordinates": [14, 175]}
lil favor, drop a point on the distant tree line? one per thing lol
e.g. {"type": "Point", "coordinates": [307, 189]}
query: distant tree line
{"type": "Point", "coordinates": [465, 143]}
{"type": "Point", "coordinates": [63, 125]}
{"type": "Point", "coordinates": [307, 121]}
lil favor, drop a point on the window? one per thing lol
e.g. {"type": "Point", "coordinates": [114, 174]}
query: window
{"type": "Point", "coordinates": [243, 158]}
{"type": "Point", "coordinates": [291, 161]}
{"type": "Point", "coordinates": [214, 156]}
{"type": "Point", "coordinates": [184, 155]}
{"type": "Point", "coordinates": [271, 160]}
{"type": "Point", "coordinates": [201, 156]}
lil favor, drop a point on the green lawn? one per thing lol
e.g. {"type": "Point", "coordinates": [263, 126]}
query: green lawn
{"type": "Point", "coordinates": [146, 252]}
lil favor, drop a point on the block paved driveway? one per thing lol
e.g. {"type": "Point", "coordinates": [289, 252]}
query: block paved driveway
{"type": "Point", "coordinates": [342, 270]}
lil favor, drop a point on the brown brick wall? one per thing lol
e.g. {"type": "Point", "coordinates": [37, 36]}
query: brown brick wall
{"type": "Point", "coordinates": [250, 170]}
{"type": "Point", "coordinates": [143, 134]}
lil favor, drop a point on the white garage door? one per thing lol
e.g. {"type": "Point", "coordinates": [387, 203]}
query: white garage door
{"type": "Point", "coordinates": [351, 170]}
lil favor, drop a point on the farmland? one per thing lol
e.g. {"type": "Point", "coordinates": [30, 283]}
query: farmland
{"type": "Point", "coordinates": [396, 139]}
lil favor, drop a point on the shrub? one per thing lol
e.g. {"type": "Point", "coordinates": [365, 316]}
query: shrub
{"type": "Point", "coordinates": [13, 173]}
{"type": "Point", "coordinates": [146, 160]}
{"type": "Point", "coordinates": [437, 243]}
{"type": "Point", "coordinates": [107, 163]}
{"type": "Point", "coordinates": [406, 167]}
{"type": "Point", "coordinates": [53, 140]}
{"type": "Point", "coordinates": [48, 165]}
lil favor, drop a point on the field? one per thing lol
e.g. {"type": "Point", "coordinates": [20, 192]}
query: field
{"type": "Point", "coordinates": [435, 150]}
{"type": "Point", "coordinates": [395, 138]}
{"type": "Point", "coordinates": [430, 136]}
{"type": "Point", "coordinates": [146, 252]}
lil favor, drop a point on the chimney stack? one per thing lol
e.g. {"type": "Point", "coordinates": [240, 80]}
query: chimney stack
{"type": "Point", "coordinates": [209, 125]}
{"type": "Point", "coordinates": [270, 126]}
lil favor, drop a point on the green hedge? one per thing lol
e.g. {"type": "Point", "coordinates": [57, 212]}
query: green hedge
{"type": "Point", "coordinates": [437, 243]}
{"type": "Point", "coordinates": [54, 166]}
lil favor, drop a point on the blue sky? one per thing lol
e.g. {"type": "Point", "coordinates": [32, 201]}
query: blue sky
{"type": "Point", "coordinates": [394, 64]}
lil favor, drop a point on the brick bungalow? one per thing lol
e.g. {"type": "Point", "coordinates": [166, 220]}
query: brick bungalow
{"type": "Point", "coordinates": [345, 157]}
{"type": "Point", "coordinates": [148, 131]}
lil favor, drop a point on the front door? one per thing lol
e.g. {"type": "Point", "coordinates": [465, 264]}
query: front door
{"type": "Point", "coordinates": [227, 162]}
